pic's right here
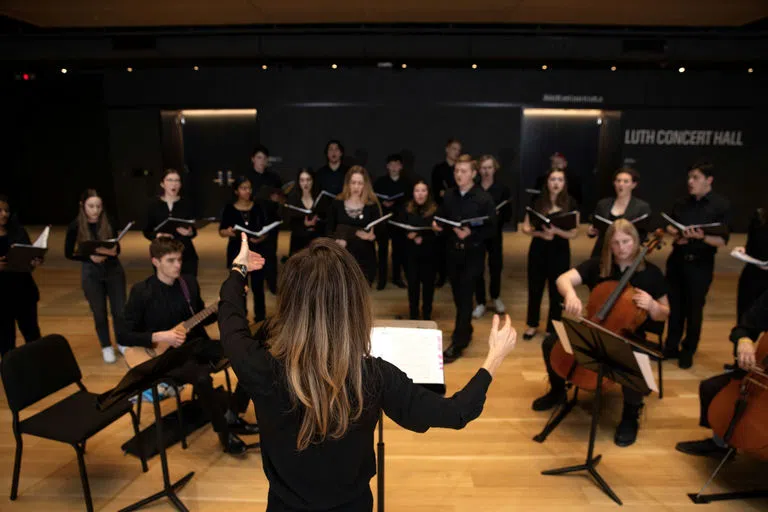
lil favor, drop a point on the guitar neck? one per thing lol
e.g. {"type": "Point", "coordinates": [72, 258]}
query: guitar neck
{"type": "Point", "coordinates": [195, 320]}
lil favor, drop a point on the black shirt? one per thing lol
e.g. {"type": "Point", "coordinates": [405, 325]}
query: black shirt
{"type": "Point", "coordinates": [757, 238]}
{"type": "Point", "coordinates": [442, 179]}
{"type": "Point", "coordinates": [335, 471]}
{"type": "Point", "coordinates": [475, 203]}
{"type": "Point", "coordinates": [296, 219]}
{"type": "Point", "coordinates": [651, 280]}
{"type": "Point", "coordinates": [338, 216]}
{"type": "Point", "coordinates": [267, 178]}
{"type": "Point", "coordinates": [330, 180]}
{"type": "Point", "coordinates": [21, 284]}
{"type": "Point", "coordinates": [635, 209]}
{"type": "Point", "coordinates": [753, 322]}
{"type": "Point", "coordinates": [155, 306]}
{"type": "Point", "coordinates": [389, 187]}
{"type": "Point", "coordinates": [710, 208]}
{"type": "Point", "coordinates": [181, 209]}
{"type": "Point", "coordinates": [418, 219]}
{"type": "Point", "coordinates": [254, 220]}
{"type": "Point", "coordinates": [70, 241]}
{"type": "Point", "coordinates": [500, 192]}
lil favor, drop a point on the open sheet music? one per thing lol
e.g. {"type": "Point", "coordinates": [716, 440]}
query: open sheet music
{"type": "Point", "coordinates": [746, 258]}
{"type": "Point", "coordinates": [88, 247]}
{"type": "Point", "coordinates": [266, 229]}
{"type": "Point", "coordinates": [710, 228]}
{"type": "Point", "coordinates": [20, 256]}
{"type": "Point", "coordinates": [473, 221]}
{"type": "Point", "coordinates": [609, 222]}
{"type": "Point", "coordinates": [563, 220]}
{"type": "Point", "coordinates": [408, 227]}
{"type": "Point", "coordinates": [170, 224]}
{"type": "Point", "coordinates": [417, 352]}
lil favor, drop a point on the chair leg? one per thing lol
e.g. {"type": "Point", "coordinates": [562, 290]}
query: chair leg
{"type": "Point", "coordinates": [137, 433]}
{"type": "Point", "coordinates": [228, 381]}
{"type": "Point", "coordinates": [182, 429]}
{"type": "Point", "coordinates": [138, 406]}
{"type": "Point", "coordinates": [84, 477]}
{"type": "Point", "coordinates": [16, 468]}
{"type": "Point", "coordinates": [661, 378]}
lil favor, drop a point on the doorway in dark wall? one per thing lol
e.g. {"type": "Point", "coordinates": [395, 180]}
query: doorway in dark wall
{"type": "Point", "coordinates": [576, 133]}
{"type": "Point", "coordinates": [216, 147]}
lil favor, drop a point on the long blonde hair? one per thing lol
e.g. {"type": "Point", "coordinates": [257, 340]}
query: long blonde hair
{"type": "Point", "coordinates": [606, 256]}
{"type": "Point", "coordinates": [104, 228]}
{"type": "Point", "coordinates": [321, 333]}
{"type": "Point", "coordinates": [368, 195]}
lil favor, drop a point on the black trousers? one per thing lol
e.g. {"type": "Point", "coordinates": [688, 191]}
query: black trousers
{"type": "Point", "coordinates": [557, 383]}
{"type": "Point", "coordinates": [493, 248]}
{"type": "Point", "coordinates": [397, 236]}
{"type": "Point", "coordinates": [100, 282]}
{"type": "Point", "coordinates": [753, 282]}
{"type": "Point", "coordinates": [23, 313]}
{"type": "Point", "coordinates": [420, 272]}
{"type": "Point", "coordinates": [546, 261]}
{"type": "Point", "coordinates": [364, 503]}
{"type": "Point", "coordinates": [441, 256]}
{"type": "Point", "coordinates": [257, 288]}
{"type": "Point", "coordinates": [196, 371]}
{"type": "Point", "coordinates": [689, 280]}
{"type": "Point", "coordinates": [464, 267]}
{"type": "Point", "coordinates": [709, 388]}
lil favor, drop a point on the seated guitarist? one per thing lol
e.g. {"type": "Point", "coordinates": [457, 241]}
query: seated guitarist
{"type": "Point", "coordinates": [753, 322]}
{"type": "Point", "coordinates": [621, 249]}
{"type": "Point", "coordinates": [157, 305]}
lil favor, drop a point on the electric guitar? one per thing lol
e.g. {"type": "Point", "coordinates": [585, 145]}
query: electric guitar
{"type": "Point", "coordinates": [134, 356]}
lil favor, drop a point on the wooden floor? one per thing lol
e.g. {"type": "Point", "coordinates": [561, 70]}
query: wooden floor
{"type": "Point", "coordinates": [492, 465]}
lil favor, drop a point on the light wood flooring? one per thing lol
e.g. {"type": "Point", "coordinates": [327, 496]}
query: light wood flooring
{"type": "Point", "coordinates": [492, 465]}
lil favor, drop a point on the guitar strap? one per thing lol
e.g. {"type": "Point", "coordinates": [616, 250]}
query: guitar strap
{"type": "Point", "coordinates": [185, 291]}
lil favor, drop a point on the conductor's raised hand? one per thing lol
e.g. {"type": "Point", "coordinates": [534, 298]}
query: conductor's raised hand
{"type": "Point", "coordinates": [501, 341]}
{"type": "Point", "coordinates": [252, 260]}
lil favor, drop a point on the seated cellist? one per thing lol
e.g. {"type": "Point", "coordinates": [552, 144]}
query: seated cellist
{"type": "Point", "coordinates": [753, 322]}
{"type": "Point", "coordinates": [622, 248]}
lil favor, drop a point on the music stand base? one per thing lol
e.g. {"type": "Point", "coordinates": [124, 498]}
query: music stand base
{"type": "Point", "coordinates": [702, 499]}
{"type": "Point", "coordinates": [169, 493]}
{"type": "Point", "coordinates": [559, 415]}
{"type": "Point", "coordinates": [589, 466]}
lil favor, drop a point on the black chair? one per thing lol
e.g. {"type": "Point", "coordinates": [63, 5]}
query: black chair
{"type": "Point", "coordinates": [38, 369]}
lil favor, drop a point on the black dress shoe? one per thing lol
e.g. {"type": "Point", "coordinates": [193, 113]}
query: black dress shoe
{"type": "Point", "coordinates": [233, 445]}
{"type": "Point", "coordinates": [685, 360]}
{"type": "Point", "coordinates": [399, 283]}
{"type": "Point", "coordinates": [548, 401]}
{"type": "Point", "coordinates": [626, 432]}
{"type": "Point", "coordinates": [451, 354]}
{"type": "Point", "coordinates": [529, 336]}
{"type": "Point", "coordinates": [243, 428]}
{"type": "Point", "coordinates": [703, 448]}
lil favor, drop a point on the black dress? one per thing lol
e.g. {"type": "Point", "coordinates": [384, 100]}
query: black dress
{"type": "Point", "coordinates": [181, 209]}
{"type": "Point", "coordinates": [19, 297]}
{"type": "Point", "coordinates": [364, 251]}
{"type": "Point", "coordinates": [635, 209]}
{"type": "Point", "coordinates": [420, 267]}
{"type": "Point", "coordinates": [301, 235]}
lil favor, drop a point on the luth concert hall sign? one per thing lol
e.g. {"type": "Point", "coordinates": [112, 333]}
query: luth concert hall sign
{"type": "Point", "coordinates": [683, 137]}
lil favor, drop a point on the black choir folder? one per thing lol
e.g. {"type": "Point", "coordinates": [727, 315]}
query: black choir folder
{"type": "Point", "coordinates": [170, 224]}
{"type": "Point", "coordinates": [347, 232]}
{"type": "Point", "coordinates": [710, 228]}
{"type": "Point", "coordinates": [88, 247]}
{"type": "Point", "coordinates": [20, 256]}
{"type": "Point", "coordinates": [390, 198]}
{"type": "Point", "coordinates": [563, 220]}
{"type": "Point", "coordinates": [320, 207]}
{"type": "Point", "coordinates": [474, 221]}
{"type": "Point", "coordinates": [408, 227]}
{"type": "Point", "coordinates": [263, 231]}
{"type": "Point", "coordinates": [608, 222]}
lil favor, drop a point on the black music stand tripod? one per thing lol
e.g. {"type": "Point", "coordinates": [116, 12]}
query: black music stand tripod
{"type": "Point", "coordinates": [610, 356]}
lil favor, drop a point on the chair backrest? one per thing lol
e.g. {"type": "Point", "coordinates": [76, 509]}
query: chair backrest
{"type": "Point", "coordinates": [37, 369]}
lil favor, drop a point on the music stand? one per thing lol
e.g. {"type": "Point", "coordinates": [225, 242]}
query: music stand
{"type": "Point", "coordinates": [147, 376]}
{"type": "Point", "coordinates": [437, 387]}
{"type": "Point", "coordinates": [611, 356]}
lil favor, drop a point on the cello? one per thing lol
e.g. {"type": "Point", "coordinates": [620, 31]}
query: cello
{"type": "Point", "coordinates": [739, 412]}
{"type": "Point", "coordinates": [611, 306]}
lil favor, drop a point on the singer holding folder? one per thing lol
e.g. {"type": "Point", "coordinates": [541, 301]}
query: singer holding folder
{"type": "Point", "coordinates": [691, 265]}
{"type": "Point", "coordinates": [251, 215]}
{"type": "Point", "coordinates": [19, 307]}
{"type": "Point", "coordinates": [317, 391]}
{"type": "Point", "coordinates": [753, 281]}
{"type": "Point", "coordinates": [393, 190]}
{"type": "Point", "coordinates": [549, 254]}
{"type": "Point", "coordinates": [465, 242]}
{"type": "Point", "coordinates": [650, 295]}
{"type": "Point", "coordinates": [171, 204]}
{"type": "Point", "coordinates": [354, 209]}
{"type": "Point", "coordinates": [623, 206]}
{"type": "Point", "coordinates": [420, 266]}
{"type": "Point", "coordinates": [102, 274]}
{"type": "Point", "coordinates": [305, 227]}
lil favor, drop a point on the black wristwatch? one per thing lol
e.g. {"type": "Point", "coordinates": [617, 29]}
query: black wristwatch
{"type": "Point", "coordinates": [240, 268]}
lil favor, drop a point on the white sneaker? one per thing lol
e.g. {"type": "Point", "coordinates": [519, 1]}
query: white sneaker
{"type": "Point", "coordinates": [498, 306]}
{"type": "Point", "coordinates": [109, 355]}
{"type": "Point", "coordinates": [121, 349]}
{"type": "Point", "coordinates": [479, 311]}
